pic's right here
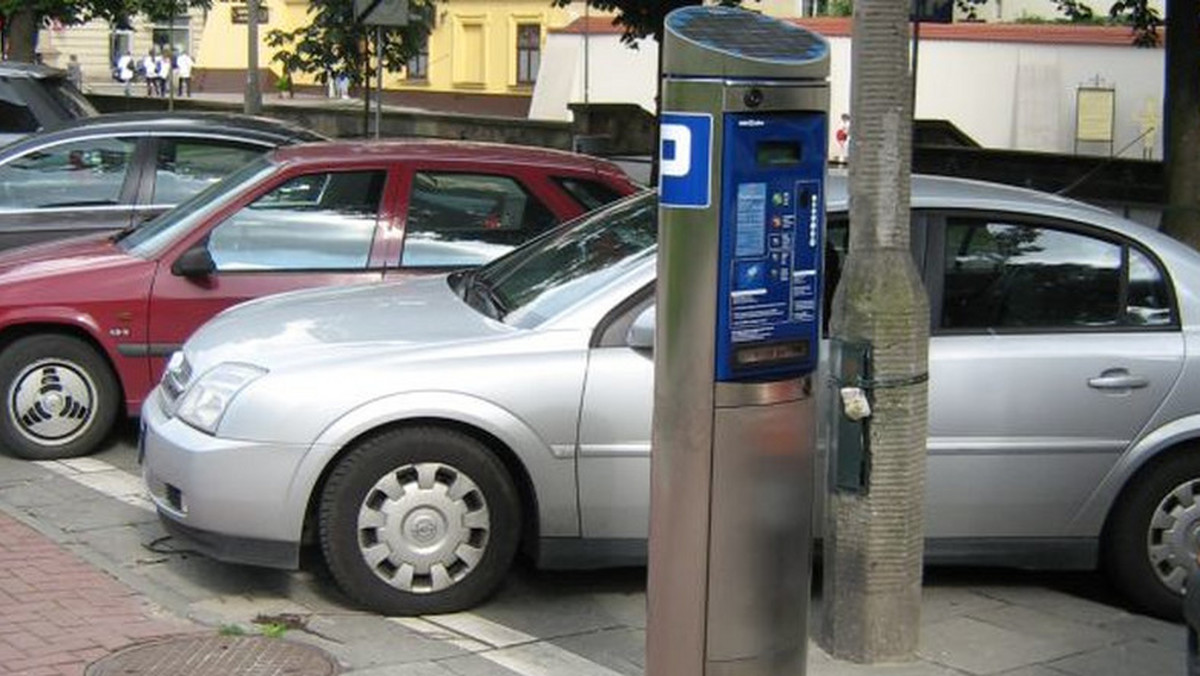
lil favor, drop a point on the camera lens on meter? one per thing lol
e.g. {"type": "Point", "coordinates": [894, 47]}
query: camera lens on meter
{"type": "Point", "coordinates": [754, 98]}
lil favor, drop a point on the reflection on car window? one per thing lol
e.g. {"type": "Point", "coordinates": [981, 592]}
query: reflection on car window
{"type": "Point", "coordinates": [468, 219]}
{"type": "Point", "coordinates": [184, 167]}
{"type": "Point", "coordinates": [151, 237]}
{"type": "Point", "coordinates": [558, 270]}
{"type": "Point", "coordinates": [323, 221]}
{"type": "Point", "coordinates": [1010, 276]}
{"type": "Point", "coordinates": [75, 173]}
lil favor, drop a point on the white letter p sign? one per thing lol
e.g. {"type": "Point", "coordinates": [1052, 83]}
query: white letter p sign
{"type": "Point", "coordinates": [680, 161]}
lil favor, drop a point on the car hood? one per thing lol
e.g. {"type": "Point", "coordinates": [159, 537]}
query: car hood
{"type": "Point", "coordinates": [335, 323]}
{"type": "Point", "coordinates": [65, 256]}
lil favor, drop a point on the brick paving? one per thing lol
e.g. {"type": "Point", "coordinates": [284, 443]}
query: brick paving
{"type": "Point", "coordinates": [58, 613]}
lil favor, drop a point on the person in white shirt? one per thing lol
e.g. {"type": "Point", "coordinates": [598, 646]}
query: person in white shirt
{"type": "Point", "coordinates": [150, 72]}
{"type": "Point", "coordinates": [125, 70]}
{"type": "Point", "coordinates": [162, 72]}
{"type": "Point", "coordinates": [183, 67]}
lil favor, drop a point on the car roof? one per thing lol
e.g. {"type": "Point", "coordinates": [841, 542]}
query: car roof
{"type": "Point", "coordinates": [33, 70]}
{"type": "Point", "coordinates": [247, 126]}
{"type": "Point", "coordinates": [439, 149]}
{"type": "Point", "coordinates": [948, 192]}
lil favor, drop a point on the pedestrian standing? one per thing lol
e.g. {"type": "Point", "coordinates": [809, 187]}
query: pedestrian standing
{"type": "Point", "coordinates": [125, 71]}
{"type": "Point", "coordinates": [162, 72]}
{"type": "Point", "coordinates": [75, 72]}
{"type": "Point", "coordinates": [149, 71]}
{"type": "Point", "coordinates": [183, 67]}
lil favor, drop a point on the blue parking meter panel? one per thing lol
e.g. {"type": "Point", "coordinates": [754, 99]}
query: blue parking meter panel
{"type": "Point", "coordinates": [772, 233]}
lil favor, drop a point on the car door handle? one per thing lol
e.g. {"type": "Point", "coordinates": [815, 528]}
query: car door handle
{"type": "Point", "coordinates": [1118, 379]}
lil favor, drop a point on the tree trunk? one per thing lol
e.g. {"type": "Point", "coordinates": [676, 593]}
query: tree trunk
{"type": "Point", "coordinates": [1181, 121]}
{"type": "Point", "coordinates": [874, 539]}
{"type": "Point", "coordinates": [22, 34]}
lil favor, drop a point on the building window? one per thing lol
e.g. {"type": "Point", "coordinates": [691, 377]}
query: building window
{"type": "Point", "coordinates": [469, 54]}
{"type": "Point", "coordinates": [176, 35]}
{"type": "Point", "coordinates": [529, 52]}
{"type": "Point", "coordinates": [417, 67]}
{"type": "Point", "coordinates": [120, 42]}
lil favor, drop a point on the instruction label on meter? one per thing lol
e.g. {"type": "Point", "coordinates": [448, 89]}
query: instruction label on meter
{"type": "Point", "coordinates": [772, 227]}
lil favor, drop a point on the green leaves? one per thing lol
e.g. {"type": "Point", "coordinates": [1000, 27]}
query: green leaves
{"type": "Point", "coordinates": [641, 18]}
{"type": "Point", "coordinates": [333, 42]}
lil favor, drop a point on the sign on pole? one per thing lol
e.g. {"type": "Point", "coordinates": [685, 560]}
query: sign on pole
{"type": "Point", "coordinates": [381, 12]}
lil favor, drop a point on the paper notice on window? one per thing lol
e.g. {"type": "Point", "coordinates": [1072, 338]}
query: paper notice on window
{"type": "Point", "coordinates": [1094, 114]}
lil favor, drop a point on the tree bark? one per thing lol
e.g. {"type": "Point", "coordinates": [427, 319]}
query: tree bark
{"type": "Point", "coordinates": [22, 35]}
{"type": "Point", "coordinates": [1181, 122]}
{"type": "Point", "coordinates": [874, 539]}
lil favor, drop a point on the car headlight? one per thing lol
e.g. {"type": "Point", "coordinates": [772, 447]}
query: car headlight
{"type": "Point", "coordinates": [205, 402]}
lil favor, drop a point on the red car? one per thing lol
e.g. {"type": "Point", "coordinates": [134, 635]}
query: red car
{"type": "Point", "coordinates": [87, 323]}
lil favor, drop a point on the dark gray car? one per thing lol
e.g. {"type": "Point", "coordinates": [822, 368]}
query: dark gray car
{"type": "Point", "coordinates": [34, 97]}
{"type": "Point", "coordinates": [109, 172]}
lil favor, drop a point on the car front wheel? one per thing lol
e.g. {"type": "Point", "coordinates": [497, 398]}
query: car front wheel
{"type": "Point", "coordinates": [1154, 535]}
{"type": "Point", "coordinates": [61, 397]}
{"type": "Point", "coordinates": [419, 520]}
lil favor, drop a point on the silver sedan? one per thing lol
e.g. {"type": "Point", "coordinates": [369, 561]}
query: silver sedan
{"type": "Point", "coordinates": [423, 432]}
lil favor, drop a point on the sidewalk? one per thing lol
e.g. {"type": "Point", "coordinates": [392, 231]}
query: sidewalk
{"type": "Point", "coordinates": [67, 598]}
{"type": "Point", "coordinates": [58, 613]}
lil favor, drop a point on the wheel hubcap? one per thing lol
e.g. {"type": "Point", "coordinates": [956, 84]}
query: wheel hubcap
{"type": "Point", "coordinates": [52, 402]}
{"type": "Point", "coordinates": [1174, 535]}
{"type": "Point", "coordinates": [423, 527]}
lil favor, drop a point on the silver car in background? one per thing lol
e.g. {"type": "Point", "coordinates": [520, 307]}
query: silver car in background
{"type": "Point", "coordinates": [422, 432]}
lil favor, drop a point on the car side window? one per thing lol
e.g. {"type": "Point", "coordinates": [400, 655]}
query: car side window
{"type": "Point", "coordinates": [457, 219]}
{"type": "Point", "coordinates": [16, 118]}
{"type": "Point", "coordinates": [589, 194]}
{"type": "Point", "coordinates": [185, 166]}
{"type": "Point", "coordinates": [321, 221]}
{"type": "Point", "coordinates": [89, 172]}
{"type": "Point", "coordinates": [1010, 276]}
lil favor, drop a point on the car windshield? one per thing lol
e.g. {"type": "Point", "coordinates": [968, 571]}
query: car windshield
{"type": "Point", "coordinates": [565, 265]}
{"type": "Point", "coordinates": [150, 238]}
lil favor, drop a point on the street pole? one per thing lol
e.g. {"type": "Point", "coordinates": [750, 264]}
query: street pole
{"type": "Point", "coordinates": [378, 80]}
{"type": "Point", "coordinates": [253, 102]}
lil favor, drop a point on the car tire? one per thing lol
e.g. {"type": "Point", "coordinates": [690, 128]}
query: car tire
{"type": "Point", "coordinates": [419, 520]}
{"type": "Point", "coordinates": [61, 397]}
{"type": "Point", "coordinates": [1151, 541]}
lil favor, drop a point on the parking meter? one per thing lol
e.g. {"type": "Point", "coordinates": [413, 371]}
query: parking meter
{"type": "Point", "coordinates": [742, 174]}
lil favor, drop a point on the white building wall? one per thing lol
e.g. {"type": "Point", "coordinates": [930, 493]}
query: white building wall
{"type": "Point", "coordinates": [1008, 95]}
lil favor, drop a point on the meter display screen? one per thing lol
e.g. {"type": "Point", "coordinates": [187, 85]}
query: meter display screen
{"type": "Point", "coordinates": [778, 153]}
{"type": "Point", "coordinates": [772, 233]}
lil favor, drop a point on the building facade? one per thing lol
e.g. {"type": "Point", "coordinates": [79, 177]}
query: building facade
{"type": "Point", "coordinates": [1040, 87]}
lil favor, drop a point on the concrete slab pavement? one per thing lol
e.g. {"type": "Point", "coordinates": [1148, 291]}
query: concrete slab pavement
{"type": "Point", "coordinates": [98, 557]}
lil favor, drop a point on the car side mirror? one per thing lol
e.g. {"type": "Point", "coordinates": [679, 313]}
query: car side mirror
{"type": "Point", "coordinates": [194, 263]}
{"type": "Point", "coordinates": [641, 332]}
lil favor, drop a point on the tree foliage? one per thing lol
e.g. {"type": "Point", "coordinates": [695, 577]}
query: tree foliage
{"type": "Point", "coordinates": [333, 43]}
{"type": "Point", "coordinates": [641, 18]}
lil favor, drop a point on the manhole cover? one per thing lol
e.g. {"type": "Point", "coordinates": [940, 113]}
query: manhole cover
{"type": "Point", "coordinates": [216, 656]}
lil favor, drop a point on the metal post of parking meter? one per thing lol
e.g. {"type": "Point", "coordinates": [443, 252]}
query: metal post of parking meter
{"type": "Point", "coordinates": [745, 101]}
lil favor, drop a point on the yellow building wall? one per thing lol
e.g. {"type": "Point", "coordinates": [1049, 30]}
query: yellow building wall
{"type": "Point", "coordinates": [225, 45]}
{"type": "Point", "coordinates": [472, 49]}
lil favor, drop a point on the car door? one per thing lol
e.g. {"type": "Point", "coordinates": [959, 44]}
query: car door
{"type": "Point", "coordinates": [70, 187]}
{"type": "Point", "coordinates": [315, 227]}
{"type": "Point", "coordinates": [179, 166]}
{"type": "Point", "coordinates": [1053, 345]}
{"type": "Point", "coordinates": [614, 428]}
